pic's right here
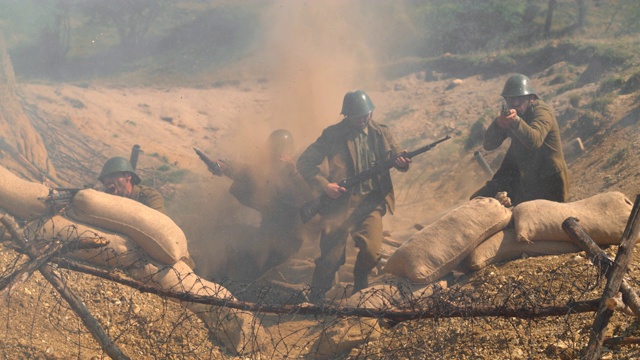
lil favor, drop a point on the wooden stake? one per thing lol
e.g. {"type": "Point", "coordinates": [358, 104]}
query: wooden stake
{"type": "Point", "coordinates": [614, 282]}
{"type": "Point", "coordinates": [600, 259]}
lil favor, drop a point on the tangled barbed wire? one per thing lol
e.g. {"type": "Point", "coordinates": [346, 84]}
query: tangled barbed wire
{"type": "Point", "coordinates": [522, 309]}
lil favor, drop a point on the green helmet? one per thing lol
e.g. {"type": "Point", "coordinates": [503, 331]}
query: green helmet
{"type": "Point", "coordinates": [116, 165]}
{"type": "Point", "coordinates": [518, 85]}
{"type": "Point", "coordinates": [281, 142]}
{"type": "Point", "coordinates": [356, 103]}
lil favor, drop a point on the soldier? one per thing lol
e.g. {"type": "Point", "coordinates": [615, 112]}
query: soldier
{"type": "Point", "coordinates": [534, 166]}
{"type": "Point", "coordinates": [352, 146]}
{"type": "Point", "coordinates": [271, 186]}
{"type": "Point", "coordinates": [119, 178]}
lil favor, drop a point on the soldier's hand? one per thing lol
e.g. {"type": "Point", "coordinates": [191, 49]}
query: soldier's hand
{"type": "Point", "coordinates": [503, 198]}
{"type": "Point", "coordinates": [334, 191]}
{"type": "Point", "coordinates": [506, 121]}
{"type": "Point", "coordinates": [402, 162]}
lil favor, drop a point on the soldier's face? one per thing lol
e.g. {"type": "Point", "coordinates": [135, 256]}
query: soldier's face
{"type": "Point", "coordinates": [362, 121]}
{"type": "Point", "coordinates": [519, 103]}
{"type": "Point", "coordinates": [118, 184]}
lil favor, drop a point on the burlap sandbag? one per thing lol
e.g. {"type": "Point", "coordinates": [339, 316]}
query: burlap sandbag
{"type": "Point", "coordinates": [153, 231]}
{"type": "Point", "coordinates": [438, 248]}
{"type": "Point", "coordinates": [20, 197]}
{"type": "Point", "coordinates": [120, 252]}
{"type": "Point", "coordinates": [503, 247]}
{"type": "Point", "coordinates": [239, 331]}
{"type": "Point", "coordinates": [603, 217]}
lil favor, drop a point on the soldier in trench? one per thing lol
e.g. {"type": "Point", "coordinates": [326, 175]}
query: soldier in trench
{"type": "Point", "coordinates": [534, 166]}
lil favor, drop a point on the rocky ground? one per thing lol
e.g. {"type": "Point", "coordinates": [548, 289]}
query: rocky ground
{"type": "Point", "coordinates": [107, 120]}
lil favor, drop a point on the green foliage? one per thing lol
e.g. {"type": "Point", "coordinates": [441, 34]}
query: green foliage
{"type": "Point", "coordinates": [164, 168]}
{"type": "Point", "coordinates": [460, 26]}
{"type": "Point", "coordinates": [574, 100]}
{"type": "Point", "coordinates": [601, 104]}
{"type": "Point", "coordinates": [23, 19]}
{"type": "Point", "coordinates": [629, 11]}
{"type": "Point", "coordinates": [632, 84]}
{"type": "Point", "coordinates": [176, 176]}
{"type": "Point", "coordinates": [616, 158]}
{"type": "Point", "coordinates": [610, 84]}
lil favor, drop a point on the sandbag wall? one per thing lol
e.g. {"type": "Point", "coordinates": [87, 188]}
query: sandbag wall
{"type": "Point", "coordinates": [476, 234]}
{"type": "Point", "coordinates": [153, 231]}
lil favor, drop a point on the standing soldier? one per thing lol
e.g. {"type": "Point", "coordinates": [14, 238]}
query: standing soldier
{"type": "Point", "coordinates": [534, 166]}
{"type": "Point", "coordinates": [351, 146]}
{"type": "Point", "coordinates": [119, 178]}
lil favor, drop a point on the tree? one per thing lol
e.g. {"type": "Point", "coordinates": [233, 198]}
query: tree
{"type": "Point", "coordinates": [131, 18]}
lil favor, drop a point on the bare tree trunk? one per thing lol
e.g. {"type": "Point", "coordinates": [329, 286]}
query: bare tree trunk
{"type": "Point", "coordinates": [549, 20]}
{"type": "Point", "coordinates": [18, 137]}
{"type": "Point", "coordinates": [582, 14]}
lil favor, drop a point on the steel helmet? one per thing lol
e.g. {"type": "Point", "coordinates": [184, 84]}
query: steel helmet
{"type": "Point", "coordinates": [356, 103]}
{"type": "Point", "coordinates": [281, 142]}
{"type": "Point", "coordinates": [116, 165]}
{"type": "Point", "coordinates": [518, 85]}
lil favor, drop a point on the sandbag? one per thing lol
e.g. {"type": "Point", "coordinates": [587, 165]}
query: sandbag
{"type": "Point", "coordinates": [20, 197]}
{"type": "Point", "coordinates": [399, 293]}
{"type": "Point", "coordinates": [120, 252]}
{"type": "Point", "coordinates": [438, 248]}
{"type": "Point", "coordinates": [153, 231]}
{"type": "Point", "coordinates": [240, 331]}
{"type": "Point", "coordinates": [603, 217]}
{"type": "Point", "coordinates": [503, 247]}
{"type": "Point", "coordinates": [180, 278]}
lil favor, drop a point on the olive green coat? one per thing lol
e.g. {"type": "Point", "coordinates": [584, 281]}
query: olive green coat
{"type": "Point", "coordinates": [534, 166]}
{"type": "Point", "coordinates": [336, 144]}
{"type": "Point", "coordinates": [148, 196]}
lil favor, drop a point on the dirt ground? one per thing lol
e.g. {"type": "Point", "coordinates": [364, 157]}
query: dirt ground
{"type": "Point", "coordinates": [169, 122]}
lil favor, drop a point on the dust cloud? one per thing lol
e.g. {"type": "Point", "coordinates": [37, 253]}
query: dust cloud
{"type": "Point", "coordinates": [312, 54]}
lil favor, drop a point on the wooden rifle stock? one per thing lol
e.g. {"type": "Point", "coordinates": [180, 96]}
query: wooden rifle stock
{"type": "Point", "coordinates": [310, 209]}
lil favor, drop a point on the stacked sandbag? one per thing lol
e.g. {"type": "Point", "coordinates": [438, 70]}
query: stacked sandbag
{"type": "Point", "coordinates": [20, 197]}
{"type": "Point", "coordinates": [153, 231]}
{"type": "Point", "coordinates": [438, 248]}
{"type": "Point", "coordinates": [603, 217]}
{"type": "Point", "coordinates": [119, 252]}
{"type": "Point", "coordinates": [503, 247]}
{"type": "Point", "coordinates": [392, 293]}
{"type": "Point", "coordinates": [238, 330]}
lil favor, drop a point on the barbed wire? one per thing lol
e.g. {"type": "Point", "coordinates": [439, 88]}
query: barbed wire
{"type": "Point", "coordinates": [529, 311]}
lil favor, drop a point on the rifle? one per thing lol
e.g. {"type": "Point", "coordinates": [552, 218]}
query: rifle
{"type": "Point", "coordinates": [213, 166]}
{"type": "Point", "coordinates": [59, 197]}
{"type": "Point", "coordinates": [310, 209]}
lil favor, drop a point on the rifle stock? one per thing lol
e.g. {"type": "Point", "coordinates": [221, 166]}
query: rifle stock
{"type": "Point", "coordinates": [213, 166]}
{"type": "Point", "coordinates": [310, 209]}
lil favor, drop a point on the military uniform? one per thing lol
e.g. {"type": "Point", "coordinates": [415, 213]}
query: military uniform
{"type": "Point", "coordinates": [357, 214]}
{"type": "Point", "coordinates": [534, 166]}
{"type": "Point", "coordinates": [148, 196]}
{"type": "Point", "coordinates": [275, 192]}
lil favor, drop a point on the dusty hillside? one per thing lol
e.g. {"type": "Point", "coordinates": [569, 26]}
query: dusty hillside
{"type": "Point", "coordinates": [84, 125]}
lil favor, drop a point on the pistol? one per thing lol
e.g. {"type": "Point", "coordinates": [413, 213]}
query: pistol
{"type": "Point", "coordinates": [213, 166]}
{"type": "Point", "coordinates": [505, 111]}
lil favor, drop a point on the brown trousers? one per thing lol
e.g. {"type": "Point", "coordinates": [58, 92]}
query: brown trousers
{"type": "Point", "coordinates": [364, 224]}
